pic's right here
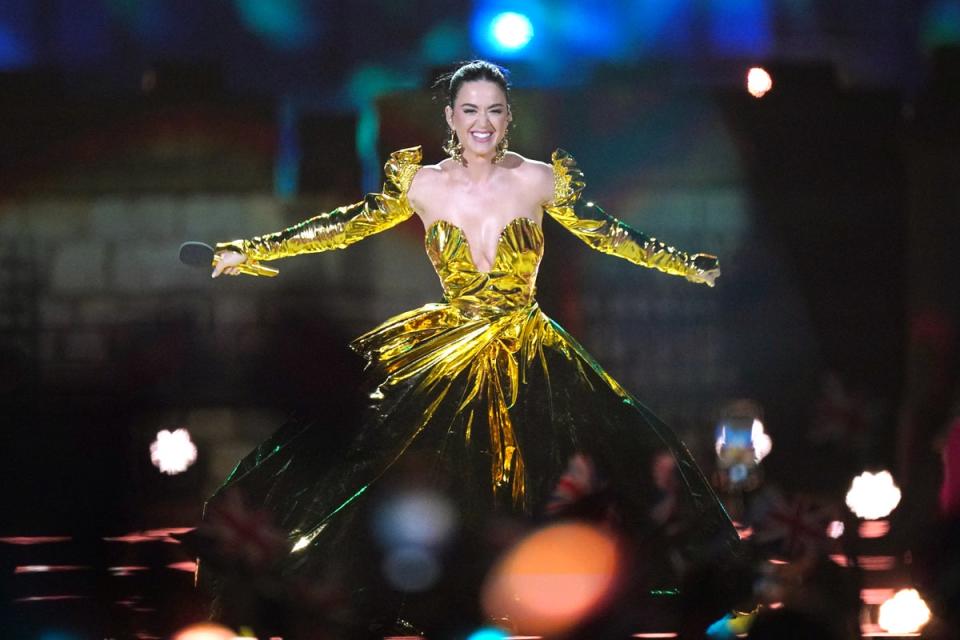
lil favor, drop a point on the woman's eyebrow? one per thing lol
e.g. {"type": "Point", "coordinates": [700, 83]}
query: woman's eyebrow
{"type": "Point", "coordinates": [470, 104]}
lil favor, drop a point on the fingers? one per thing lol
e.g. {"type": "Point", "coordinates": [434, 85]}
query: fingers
{"type": "Point", "coordinates": [221, 269]}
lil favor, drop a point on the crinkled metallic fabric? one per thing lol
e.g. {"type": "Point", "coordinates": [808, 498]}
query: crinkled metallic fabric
{"type": "Point", "coordinates": [482, 390]}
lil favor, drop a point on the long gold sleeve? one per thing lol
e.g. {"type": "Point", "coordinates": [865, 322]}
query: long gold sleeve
{"type": "Point", "coordinates": [344, 225]}
{"type": "Point", "coordinates": [607, 234]}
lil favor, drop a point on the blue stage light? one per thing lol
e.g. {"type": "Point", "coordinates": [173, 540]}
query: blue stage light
{"type": "Point", "coordinates": [285, 24]}
{"type": "Point", "coordinates": [511, 30]}
{"type": "Point", "coordinates": [487, 634]}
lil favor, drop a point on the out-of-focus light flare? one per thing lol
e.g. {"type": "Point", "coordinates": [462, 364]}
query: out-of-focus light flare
{"type": "Point", "coordinates": [876, 563]}
{"type": "Point", "coordinates": [50, 598]}
{"type": "Point", "coordinates": [762, 444]}
{"type": "Point", "coordinates": [488, 634]}
{"type": "Point", "coordinates": [411, 569]}
{"type": "Point", "coordinates": [874, 528]}
{"type": "Point", "coordinates": [286, 24]}
{"type": "Point", "coordinates": [57, 635]}
{"type": "Point", "coordinates": [876, 596]}
{"type": "Point", "coordinates": [48, 568]}
{"type": "Point", "coordinates": [835, 529]}
{"type": "Point", "coordinates": [424, 518]}
{"type": "Point", "coordinates": [731, 441]}
{"type": "Point", "coordinates": [511, 30]}
{"type": "Point", "coordinates": [759, 82]}
{"type": "Point", "coordinates": [873, 495]}
{"type": "Point", "coordinates": [204, 631]}
{"type": "Point", "coordinates": [173, 452]}
{"type": "Point", "coordinates": [29, 540]}
{"type": "Point", "coordinates": [553, 578]}
{"type": "Point", "coordinates": [905, 612]}
{"type": "Point", "coordinates": [840, 560]}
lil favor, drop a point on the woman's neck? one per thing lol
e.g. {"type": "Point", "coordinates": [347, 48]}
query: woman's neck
{"type": "Point", "coordinates": [479, 168]}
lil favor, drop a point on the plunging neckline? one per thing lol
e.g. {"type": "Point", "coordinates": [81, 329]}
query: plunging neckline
{"type": "Point", "coordinates": [466, 240]}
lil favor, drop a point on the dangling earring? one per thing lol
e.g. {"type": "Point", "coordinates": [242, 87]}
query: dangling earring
{"type": "Point", "coordinates": [502, 147]}
{"type": "Point", "coordinates": [454, 148]}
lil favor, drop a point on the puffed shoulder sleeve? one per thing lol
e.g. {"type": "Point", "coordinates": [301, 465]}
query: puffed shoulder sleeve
{"type": "Point", "coordinates": [341, 227]}
{"type": "Point", "coordinates": [605, 233]}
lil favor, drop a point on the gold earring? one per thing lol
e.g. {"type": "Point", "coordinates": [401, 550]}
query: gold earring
{"type": "Point", "coordinates": [502, 147]}
{"type": "Point", "coordinates": [454, 148]}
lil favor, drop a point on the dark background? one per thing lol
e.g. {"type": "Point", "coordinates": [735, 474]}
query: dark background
{"type": "Point", "coordinates": [129, 126]}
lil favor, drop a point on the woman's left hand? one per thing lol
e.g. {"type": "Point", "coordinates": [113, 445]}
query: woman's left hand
{"type": "Point", "coordinates": [708, 277]}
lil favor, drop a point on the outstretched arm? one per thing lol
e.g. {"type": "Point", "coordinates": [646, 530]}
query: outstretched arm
{"type": "Point", "coordinates": [606, 233]}
{"type": "Point", "coordinates": [334, 230]}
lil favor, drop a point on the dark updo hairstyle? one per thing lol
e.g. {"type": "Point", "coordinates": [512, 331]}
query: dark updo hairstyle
{"type": "Point", "coordinates": [449, 83]}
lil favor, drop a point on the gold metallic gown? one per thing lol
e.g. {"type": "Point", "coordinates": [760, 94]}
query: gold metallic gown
{"type": "Point", "coordinates": [482, 390]}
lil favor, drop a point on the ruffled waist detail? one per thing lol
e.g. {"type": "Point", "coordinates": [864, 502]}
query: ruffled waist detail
{"type": "Point", "coordinates": [422, 351]}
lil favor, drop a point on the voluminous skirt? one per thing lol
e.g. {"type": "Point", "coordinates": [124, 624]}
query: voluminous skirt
{"type": "Point", "coordinates": [486, 408]}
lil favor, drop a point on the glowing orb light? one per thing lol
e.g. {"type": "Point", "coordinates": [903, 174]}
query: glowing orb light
{"type": "Point", "coordinates": [759, 82]}
{"type": "Point", "coordinates": [762, 443]}
{"type": "Point", "coordinates": [905, 612]}
{"type": "Point", "coordinates": [873, 495]}
{"type": "Point", "coordinates": [511, 30]}
{"type": "Point", "coordinates": [423, 518]}
{"type": "Point", "coordinates": [173, 451]}
{"type": "Point", "coordinates": [204, 631]}
{"type": "Point", "coordinates": [553, 579]}
{"type": "Point", "coordinates": [835, 529]}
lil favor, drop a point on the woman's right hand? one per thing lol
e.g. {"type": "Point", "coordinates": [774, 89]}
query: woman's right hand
{"type": "Point", "coordinates": [227, 262]}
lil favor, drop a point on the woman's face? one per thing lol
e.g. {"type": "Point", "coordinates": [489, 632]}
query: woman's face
{"type": "Point", "coordinates": [479, 116]}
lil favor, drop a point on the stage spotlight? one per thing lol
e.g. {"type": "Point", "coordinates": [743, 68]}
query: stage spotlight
{"type": "Point", "coordinates": [904, 613]}
{"type": "Point", "coordinates": [511, 31]}
{"type": "Point", "coordinates": [173, 452]}
{"type": "Point", "coordinates": [759, 82]}
{"type": "Point", "coordinates": [873, 495]}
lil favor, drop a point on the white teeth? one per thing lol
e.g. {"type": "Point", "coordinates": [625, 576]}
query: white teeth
{"type": "Point", "coordinates": [481, 136]}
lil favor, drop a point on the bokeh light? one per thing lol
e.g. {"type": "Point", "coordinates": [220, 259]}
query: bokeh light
{"type": "Point", "coordinates": [412, 528]}
{"type": "Point", "coordinates": [503, 29]}
{"type": "Point", "coordinates": [173, 452]}
{"type": "Point", "coordinates": [905, 612]}
{"type": "Point", "coordinates": [511, 30]}
{"type": "Point", "coordinates": [416, 518]}
{"type": "Point", "coordinates": [835, 529]}
{"type": "Point", "coordinates": [762, 443]}
{"type": "Point", "coordinates": [58, 635]}
{"type": "Point", "coordinates": [873, 495]}
{"type": "Point", "coordinates": [874, 528]}
{"type": "Point", "coordinates": [553, 579]}
{"type": "Point", "coordinates": [759, 82]}
{"type": "Point", "coordinates": [204, 631]}
{"type": "Point", "coordinates": [488, 633]}
{"type": "Point", "coordinates": [411, 569]}
{"type": "Point", "coordinates": [940, 24]}
{"type": "Point", "coordinates": [285, 24]}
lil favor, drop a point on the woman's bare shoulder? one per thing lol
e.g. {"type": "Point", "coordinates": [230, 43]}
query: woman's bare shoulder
{"type": "Point", "coordinates": [427, 179]}
{"type": "Point", "coordinates": [539, 174]}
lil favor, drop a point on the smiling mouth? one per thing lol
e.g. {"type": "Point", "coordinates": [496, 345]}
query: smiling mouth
{"type": "Point", "coordinates": [481, 136]}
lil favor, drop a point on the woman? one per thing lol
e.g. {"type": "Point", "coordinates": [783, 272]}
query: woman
{"type": "Point", "coordinates": [488, 395]}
